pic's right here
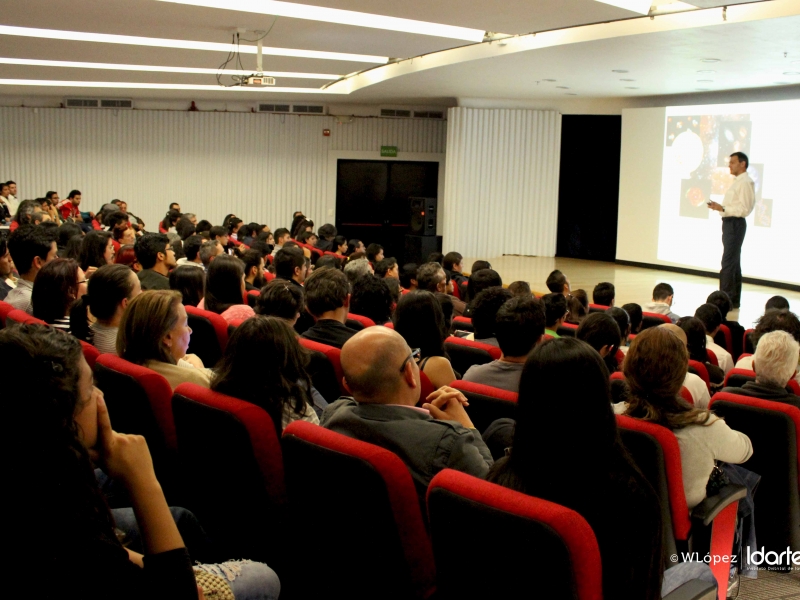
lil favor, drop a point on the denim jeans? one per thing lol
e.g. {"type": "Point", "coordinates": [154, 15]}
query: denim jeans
{"type": "Point", "coordinates": [248, 580]}
{"type": "Point", "coordinates": [676, 576]}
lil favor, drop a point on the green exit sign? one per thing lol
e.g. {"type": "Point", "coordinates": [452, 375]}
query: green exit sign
{"type": "Point", "coordinates": [388, 150]}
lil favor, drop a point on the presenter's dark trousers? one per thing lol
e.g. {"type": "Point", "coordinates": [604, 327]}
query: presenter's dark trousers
{"type": "Point", "coordinates": [730, 275]}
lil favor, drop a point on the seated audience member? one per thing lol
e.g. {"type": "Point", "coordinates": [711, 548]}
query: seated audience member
{"type": "Point", "coordinates": [155, 254]}
{"type": "Point", "coordinates": [185, 228]}
{"type": "Point", "coordinates": [7, 280]}
{"type": "Point", "coordinates": [387, 268]}
{"type": "Point", "coordinates": [58, 478]}
{"type": "Point", "coordinates": [283, 387]}
{"type": "Point", "coordinates": [209, 250]}
{"type": "Point", "coordinates": [169, 222]}
{"type": "Point", "coordinates": [420, 320]}
{"type": "Point", "coordinates": [601, 332]}
{"type": "Point", "coordinates": [327, 234]}
{"type": "Point", "coordinates": [394, 288]}
{"type": "Point", "coordinates": [578, 305]}
{"type": "Point", "coordinates": [459, 306]}
{"type": "Point", "coordinates": [279, 299]}
{"type": "Point", "coordinates": [520, 288]}
{"type": "Point", "coordinates": [662, 302]}
{"type": "Point", "coordinates": [723, 302]}
{"type": "Point", "coordinates": [328, 261]}
{"type": "Point", "coordinates": [97, 250]}
{"type": "Point", "coordinates": [220, 234]}
{"type": "Point", "coordinates": [328, 301]}
{"type": "Point", "coordinates": [480, 280]}
{"type": "Point", "coordinates": [58, 285]}
{"type": "Point", "coordinates": [66, 232]}
{"type": "Point", "coordinates": [604, 294]}
{"type": "Point", "coordinates": [191, 248]}
{"type": "Point", "coordinates": [431, 278]}
{"type": "Point", "coordinates": [776, 302]}
{"type": "Point", "coordinates": [108, 293]}
{"type": "Point", "coordinates": [772, 320]}
{"type": "Point", "coordinates": [635, 313]}
{"type": "Point", "coordinates": [308, 237]}
{"type": "Point", "coordinates": [436, 257]}
{"type": "Point", "coordinates": [356, 269]}
{"type": "Point", "coordinates": [290, 265]}
{"type": "Point", "coordinates": [775, 363]}
{"type": "Point", "coordinates": [696, 386]}
{"type": "Point", "coordinates": [711, 318]}
{"type": "Point", "coordinates": [339, 245]}
{"type": "Point", "coordinates": [126, 255]}
{"type": "Point", "coordinates": [354, 246]}
{"type": "Point", "coordinates": [281, 236]}
{"type": "Point", "coordinates": [446, 304]}
{"type": "Point", "coordinates": [519, 326]}
{"type": "Point", "coordinates": [541, 462]}
{"type": "Point", "coordinates": [190, 282]}
{"type": "Point", "coordinates": [381, 374]}
{"type": "Point", "coordinates": [29, 213]}
{"type": "Point", "coordinates": [555, 313]}
{"type": "Point", "coordinates": [31, 248]}
{"type": "Point", "coordinates": [155, 333]}
{"type": "Point", "coordinates": [234, 224]}
{"type": "Point", "coordinates": [123, 236]}
{"type": "Point", "coordinates": [479, 265]}
{"type": "Point", "coordinates": [655, 369]}
{"type": "Point", "coordinates": [303, 225]}
{"type": "Point", "coordinates": [624, 323]}
{"type": "Point", "coordinates": [558, 283]}
{"type": "Point", "coordinates": [408, 276]}
{"type": "Point", "coordinates": [69, 207]}
{"type": "Point", "coordinates": [253, 270]}
{"type": "Point", "coordinates": [454, 263]}
{"type": "Point", "coordinates": [73, 249]}
{"type": "Point", "coordinates": [696, 341]}
{"type": "Point", "coordinates": [224, 292]}
{"type": "Point", "coordinates": [484, 313]}
{"type": "Point", "coordinates": [203, 228]}
{"type": "Point", "coordinates": [371, 298]}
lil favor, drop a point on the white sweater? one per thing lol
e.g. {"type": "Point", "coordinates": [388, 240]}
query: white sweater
{"type": "Point", "coordinates": [700, 446]}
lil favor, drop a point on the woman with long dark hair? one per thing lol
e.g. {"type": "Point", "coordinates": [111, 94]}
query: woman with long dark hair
{"type": "Point", "coordinates": [280, 385]}
{"type": "Point", "coordinates": [59, 496]}
{"type": "Point", "coordinates": [340, 245]}
{"type": "Point", "coordinates": [559, 457]}
{"type": "Point", "coordinates": [420, 320]}
{"type": "Point", "coordinates": [97, 250]}
{"type": "Point", "coordinates": [190, 282]}
{"type": "Point", "coordinates": [355, 245]}
{"type": "Point", "coordinates": [58, 285]}
{"type": "Point", "coordinates": [225, 289]}
{"type": "Point", "coordinates": [696, 345]}
{"type": "Point", "coordinates": [169, 222]}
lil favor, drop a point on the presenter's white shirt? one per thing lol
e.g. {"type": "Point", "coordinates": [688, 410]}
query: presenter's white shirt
{"type": "Point", "coordinates": [724, 357]}
{"type": "Point", "coordinates": [740, 198]}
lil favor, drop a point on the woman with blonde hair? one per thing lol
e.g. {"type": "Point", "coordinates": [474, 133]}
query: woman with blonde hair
{"type": "Point", "coordinates": [155, 333]}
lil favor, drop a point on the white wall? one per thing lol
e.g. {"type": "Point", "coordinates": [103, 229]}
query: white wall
{"type": "Point", "coordinates": [501, 187]}
{"type": "Point", "coordinates": [261, 167]}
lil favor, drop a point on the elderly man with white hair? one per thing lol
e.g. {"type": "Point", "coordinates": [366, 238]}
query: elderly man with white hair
{"type": "Point", "coordinates": [775, 363]}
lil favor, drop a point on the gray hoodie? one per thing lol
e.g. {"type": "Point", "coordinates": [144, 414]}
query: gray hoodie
{"type": "Point", "coordinates": [660, 308]}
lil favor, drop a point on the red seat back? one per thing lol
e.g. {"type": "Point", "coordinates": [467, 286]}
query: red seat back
{"type": "Point", "coordinates": [218, 434]}
{"type": "Point", "coordinates": [558, 541]}
{"type": "Point", "coordinates": [209, 335]}
{"type": "Point", "coordinates": [90, 353]}
{"type": "Point", "coordinates": [597, 308]}
{"type": "Point", "coordinates": [465, 353]}
{"type": "Point", "coordinates": [463, 323]}
{"type": "Point", "coordinates": [653, 319]}
{"type": "Point", "coordinates": [487, 403]}
{"type": "Point", "coordinates": [712, 358]}
{"type": "Point", "coordinates": [334, 355]}
{"type": "Point", "coordinates": [364, 321]}
{"type": "Point", "coordinates": [377, 545]}
{"type": "Point", "coordinates": [269, 276]}
{"type": "Point", "coordinates": [20, 317]}
{"type": "Point", "coordinates": [567, 330]}
{"type": "Point", "coordinates": [726, 332]}
{"type": "Point", "coordinates": [747, 344]}
{"type": "Point", "coordinates": [456, 291]}
{"type": "Point", "coordinates": [738, 377]}
{"type": "Point", "coordinates": [5, 308]}
{"type": "Point", "coordinates": [700, 370]}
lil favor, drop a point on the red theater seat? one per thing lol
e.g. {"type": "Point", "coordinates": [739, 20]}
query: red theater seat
{"type": "Point", "coordinates": [376, 546]}
{"type": "Point", "coordinates": [465, 353]}
{"type": "Point", "coordinates": [653, 320]}
{"type": "Point", "coordinates": [363, 321]}
{"type": "Point", "coordinates": [20, 317]}
{"type": "Point", "coordinates": [567, 330]}
{"type": "Point", "coordinates": [463, 324]}
{"type": "Point", "coordinates": [487, 403]}
{"type": "Point", "coordinates": [700, 370]}
{"type": "Point", "coordinates": [5, 308]}
{"type": "Point", "coordinates": [209, 335]}
{"type": "Point", "coordinates": [334, 356]}
{"type": "Point", "coordinates": [593, 308]}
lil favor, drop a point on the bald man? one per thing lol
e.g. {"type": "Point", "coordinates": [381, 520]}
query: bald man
{"type": "Point", "coordinates": [694, 383]}
{"type": "Point", "coordinates": [383, 377]}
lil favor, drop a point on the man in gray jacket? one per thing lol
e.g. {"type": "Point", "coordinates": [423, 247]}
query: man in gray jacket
{"type": "Point", "coordinates": [383, 377]}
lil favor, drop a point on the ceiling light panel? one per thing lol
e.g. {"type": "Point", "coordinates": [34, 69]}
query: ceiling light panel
{"type": "Point", "coordinates": [638, 6]}
{"type": "Point", "coordinates": [342, 17]}
{"type": "Point", "coordinates": [159, 69]}
{"type": "Point", "coordinates": [107, 38]}
{"type": "Point", "coordinates": [127, 85]}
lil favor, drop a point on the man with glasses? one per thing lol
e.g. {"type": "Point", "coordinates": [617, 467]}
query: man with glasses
{"type": "Point", "coordinates": [555, 312]}
{"type": "Point", "coordinates": [155, 254]}
{"type": "Point", "coordinates": [381, 373]}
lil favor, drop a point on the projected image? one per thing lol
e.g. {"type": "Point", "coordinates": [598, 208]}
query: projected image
{"type": "Point", "coordinates": [763, 213]}
{"type": "Point", "coordinates": [694, 195]}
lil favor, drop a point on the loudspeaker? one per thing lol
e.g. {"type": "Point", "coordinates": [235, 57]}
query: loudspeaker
{"type": "Point", "coordinates": [418, 247]}
{"type": "Point", "coordinates": [423, 215]}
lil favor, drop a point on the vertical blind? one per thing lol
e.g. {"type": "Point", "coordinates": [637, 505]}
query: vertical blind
{"type": "Point", "coordinates": [501, 184]}
{"type": "Point", "coordinates": [261, 167]}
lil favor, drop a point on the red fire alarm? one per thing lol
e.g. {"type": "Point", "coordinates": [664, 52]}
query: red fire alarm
{"type": "Point", "coordinates": [326, 132]}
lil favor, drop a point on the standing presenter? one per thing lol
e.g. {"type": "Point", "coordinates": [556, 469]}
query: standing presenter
{"type": "Point", "coordinates": [738, 203]}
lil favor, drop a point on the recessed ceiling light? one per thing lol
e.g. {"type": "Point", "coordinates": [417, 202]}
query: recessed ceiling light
{"type": "Point", "coordinates": [627, 80]}
{"type": "Point", "coordinates": [82, 36]}
{"type": "Point", "coordinates": [706, 71]}
{"type": "Point", "coordinates": [631, 88]}
{"type": "Point", "coordinates": [791, 72]}
{"type": "Point", "coordinates": [343, 17]}
{"type": "Point", "coordinates": [157, 69]}
{"type": "Point", "coordinates": [162, 86]}
{"type": "Point", "coordinates": [705, 81]}
{"type": "Point", "coordinates": [638, 6]}
{"type": "Point", "coordinates": [550, 80]}
{"type": "Point", "coordinates": [562, 87]}
{"type": "Point", "coordinates": [618, 71]}
{"type": "Point", "coordinates": [709, 60]}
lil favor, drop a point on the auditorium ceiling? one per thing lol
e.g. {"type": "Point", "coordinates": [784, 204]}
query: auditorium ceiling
{"type": "Point", "coordinates": [582, 48]}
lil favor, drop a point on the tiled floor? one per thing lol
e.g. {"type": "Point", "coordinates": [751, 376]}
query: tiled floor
{"type": "Point", "coordinates": [771, 586]}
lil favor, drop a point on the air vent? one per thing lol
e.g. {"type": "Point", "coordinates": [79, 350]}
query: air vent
{"type": "Point", "coordinates": [116, 103]}
{"type": "Point", "coordinates": [394, 112]}
{"type": "Point", "coordinates": [82, 103]}
{"type": "Point", "coordinates": [274, 108]}
{"type": "Point", "coordinates": [308, 109]}
{"type": "Point", "coordinates": [428, 114]}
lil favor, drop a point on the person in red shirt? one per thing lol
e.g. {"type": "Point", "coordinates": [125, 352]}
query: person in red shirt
{"type": "Point", "coordinates": [69, 207]}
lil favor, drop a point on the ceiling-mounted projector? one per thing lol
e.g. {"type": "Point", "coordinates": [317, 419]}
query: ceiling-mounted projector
{"type": "Point", "coordinates": [258, 80]}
